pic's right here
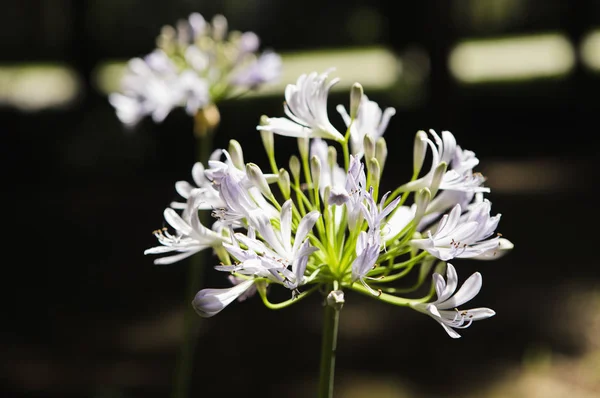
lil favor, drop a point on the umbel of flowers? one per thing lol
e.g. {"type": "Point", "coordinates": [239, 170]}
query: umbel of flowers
{"type": "Point", "coordinates": [195, 65]}
{"type": "Point", "coordinates": [319, 222]}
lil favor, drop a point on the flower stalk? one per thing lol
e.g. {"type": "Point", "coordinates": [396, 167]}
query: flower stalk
{"type": "Point", "coordinates": [331, 319]}
{"type": "Point", "coordinates": [204, 129]}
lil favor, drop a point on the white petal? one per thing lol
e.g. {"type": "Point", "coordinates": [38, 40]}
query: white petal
{"type": "Point", "coordinates": [504, 246]}
{"type": "Point", "coordinates": [198, 174]}
{"type": "Point", "coordinates": [183, 188]}
{"type": "Point", "coordinates": [177, 257]}
{"type": "Point", "coordinates": [451, 332]}
{"type": "Point", "coordinates": [286, 127]}
{"type": "Point", "coordinates": [304, 227]}
{"type": "Point", "coordinates": [474, 314]}
{"type": "Point", "coordinates": [451, 282]}
{"type": "Point", "coordinates": [177, 222]}
{"type": "Point", "coordinates": [467, 291]}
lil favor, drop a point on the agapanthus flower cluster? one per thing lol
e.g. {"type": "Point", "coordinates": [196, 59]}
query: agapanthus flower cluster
{"type": "Point", "coordinates": [196, 64]}
{"type": "Point", "coordinates": [320, 223]}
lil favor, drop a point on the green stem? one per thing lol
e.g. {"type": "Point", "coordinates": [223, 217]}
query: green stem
{"type": "Point", "coordinates": [328, 351]}
{"type": "Point", "coordinates": [191, 322]}
{"type": "Point", "coordinates": [287, 303]}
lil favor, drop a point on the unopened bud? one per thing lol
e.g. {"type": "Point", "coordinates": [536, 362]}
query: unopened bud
{"type": "Point", "coordinates": [219, 23]}
{"type": "Point", "coordinates": [258, 179]}
{"type": "Point", "coordinates": [303, 147]}
{"type": "Point", "coordinates": [381, 151]}
{"type": "Point", "coordinates": [315, 171]}
{"type": "Point", "coordinates": [356, 93]}
{"type": "Point", "coordinates": [331, 157]}
{"type": "Point", "coordinates": [438, 174]}
{"type": "Point", "coordinates": [266, 136]}
{"type": "Point", "coordinates": [369, 147]}
{"type": "Point", "coordinates": [237, 154]}
{"type": "Point", "coordinates": [284, 182]}
{"type": "Point", "coordinates": [419, 151]}
{"type": "Point", "coordinates": [374, 170]}
{"type": "Point", "coordinates": [422, 199]}
{"type": "Point", "coordinates": [426, 266]}
{"type": "Point", "coordinates": [440, 268]}
{"type": "Point", "coordinates": [295, 167]}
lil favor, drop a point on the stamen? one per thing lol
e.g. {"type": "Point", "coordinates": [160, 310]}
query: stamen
{"type": "Point", "coordinates": [373, 292]}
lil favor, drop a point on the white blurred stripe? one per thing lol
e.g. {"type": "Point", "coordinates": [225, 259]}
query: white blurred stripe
{"type": "Point", "coordinates": [515, 58]}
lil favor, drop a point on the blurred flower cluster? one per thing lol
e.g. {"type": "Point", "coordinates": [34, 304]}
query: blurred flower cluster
{"type": "Point", "coordinates": [319, 223]}
{"type": "Point", "coordinates": [196, 64]}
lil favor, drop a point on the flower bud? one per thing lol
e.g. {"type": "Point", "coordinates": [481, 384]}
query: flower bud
{"type": "Point", "coordinates": [381, 151]}
{"type": "Point", "coordinates": [438, 174]}
{"type": "Point", "coordinates": [219, 23]}
{"type": "Point", "coordinates": [303, 147]}
{"type": "Point", "coordinates": [440, 268]}
{"type": "Point", "coordinates": [331, 157]}
{"type": "Point", "coordinates": [426, 266]}
{"type": "Point", "coordinates": [237, 154]}
{"type": "Point", "coordinates": [419, 151]}
{"type": "Point", "coordinates": [209, 302]}
{"type": "Point", "coordinates": [335, 299]}
{"type": "Point", "coordinates": [315, 171]}
{"type": "Point", "coordinates": [422, 199]}
{"type": "Point", "coordinates": [284, 181]}
{"type": "Point", "coordinates": [267, 137]}
{"type": "Point", "coordinates": [374, 170]}
{"type": "Point", "coordinates": [356, 93]}
{"type": "Point", "coordinates": [258, 179]}
{"type": "Point", "coordinates": [295, 167]}
{"type": "Point", "coordinates": [369, 147]}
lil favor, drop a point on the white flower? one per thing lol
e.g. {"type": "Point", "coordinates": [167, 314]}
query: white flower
{"type": "Point", "coordinates": [209, 302]}
{"type": "Point", "coordinates": [150, 86]}
{"type": "Point", "coordinates": [129, 109]}
{"type": "Point", "coordinates": [459, 175]}
{"type": "Point", "coordinates": [370, 121]}
{"type": "Point", "coordinates": [204, 189]}
{"type": "Point", "coordinates": [367, 252]}
{"type": "Point", "coordinates": [242, 199]}
{"type": "Point", "coordinates": [190, 238]}
{"type": "Point", "coordinates": [375, 214]}
{"type": "Point", "coordinates": [194, 91]}
{"type": "Point", "coordinates": [354, 190]}
{"type": "Point", "coordinates": [462, 236]}
{"type": "Point", "coordinates": [194, 65]}
{"type": "Point", "coordinates": [265, 69]}
{"type": "Point", "coordinates": [444, 309]}
{"type": "Point", "coordinates": [277, 252]}
{"type": "Point", "coordinates": [306, 108]}
{"type": "Point", "coordinates": [369, 243]}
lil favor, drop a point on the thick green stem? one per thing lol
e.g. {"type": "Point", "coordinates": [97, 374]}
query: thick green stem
{"type": "Point", "coordinates": [203, 133]}
{"type": "Point", "coordinates": [328, 351]}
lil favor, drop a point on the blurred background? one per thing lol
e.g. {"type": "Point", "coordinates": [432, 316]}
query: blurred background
{"type": "Point", "coordinates": [86, 314]}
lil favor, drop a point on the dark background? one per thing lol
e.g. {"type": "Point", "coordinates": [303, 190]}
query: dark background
{"type": "Point", "coordinates": [86, 314]}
